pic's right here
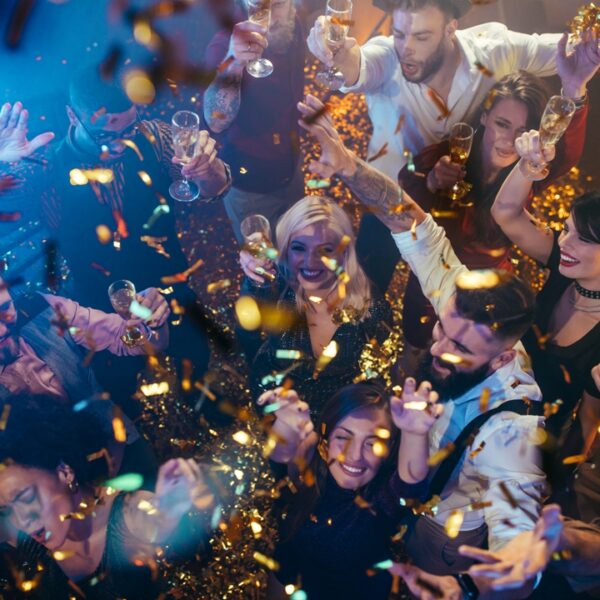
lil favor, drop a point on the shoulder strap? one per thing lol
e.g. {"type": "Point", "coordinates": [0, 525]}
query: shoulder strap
{"type": "Point", "coordinates": [442, 475]}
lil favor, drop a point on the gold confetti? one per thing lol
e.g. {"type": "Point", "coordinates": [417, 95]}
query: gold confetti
{"type": "Point", "coordinates": [400, 124]}
{"type": "Point", "coordinates": [575, 459]}
{"type": "Point", "coordinates": [145, 178]}
{"type": "Point", "coordinates": [381, 152]}
{"type": "Point", "coordinates": [155, 389]}
{"type": "Point", "coordinates": [139, 87]}
{"type": "Point", "coordinates": [484, 69]}
{"type": "Point", "coordinates": [329, 353]}
{"type": "Point", "coordinates": [454, 523]}
{"type": "Point", "coordinates": [484, 399]}
{"type": "Point", "coordinates": [242, 437]}
{"type": "Point", "coordinates": [270, 563]}
{"type": "Point", "coordinates": [413, 230]}
{"type": "Point", "coordinates": [104, 234]}
{"type": "Point", "coordinates": [478, 279]}
{"type": "Point", "coordinates": [4, 416]}
{"type": "Point", "coordinates": [441, 454]}
{"type": "Point", "coordinates": [475, 452]}
{"type": "Point", "coordinates": [216, 286]}
{"type": "Point", "coordinates": [439, 103]}
{"type": "Point", "coordinates": [131, 144]}
{"type": "Point", "coordinates": [183, 276]}
{"type": "Point", "coordinates": [248, 313]}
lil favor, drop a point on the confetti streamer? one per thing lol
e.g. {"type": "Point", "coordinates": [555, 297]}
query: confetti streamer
{"type": "Point", "coordinates": [381, 152]}
{"type": "Point", "coordinates": [440, 104]}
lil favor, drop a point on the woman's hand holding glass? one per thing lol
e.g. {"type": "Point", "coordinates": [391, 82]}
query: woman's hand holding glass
{"type": "Point", "coordinates": [416, 410]}
{"type": "Point", "coordinates": [445, 174]}
{"type": "Point", "coordinates": [253, 266]}
{"type": "Point", "coordinates": [534, 156]}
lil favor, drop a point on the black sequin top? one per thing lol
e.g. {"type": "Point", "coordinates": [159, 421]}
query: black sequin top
{"type": "Point", "coordinates": [351, 339]}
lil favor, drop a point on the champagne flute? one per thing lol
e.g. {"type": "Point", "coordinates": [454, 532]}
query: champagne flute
{"type": "Point", "coordinates": [185, 127]}
{"type": "Point", "coordinates": [121, 294]}
{"type": "Point", "coordinates": [556, 118]}
{"type": "Point", "coordinates": [256, 231]}
{"type": "Point", "coordinates": [461, 140]}
{"type": "Point", "coordinates": [339, 14]}
{"type": "Point", "coordinates": [259, 12]}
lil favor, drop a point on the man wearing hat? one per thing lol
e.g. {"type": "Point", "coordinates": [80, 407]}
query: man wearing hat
{"type": "Point", "coordinates": [429, 75]}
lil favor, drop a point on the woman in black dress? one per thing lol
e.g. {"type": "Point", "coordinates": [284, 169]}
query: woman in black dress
{"type": "Point", "coordinates": [79, 531]}
{"type": "Point", "coordinates": [320, 285]}
{"type": "Point", "coordinates": [347, 503]}
{"type": "Point", "coordinates": [564, 343]}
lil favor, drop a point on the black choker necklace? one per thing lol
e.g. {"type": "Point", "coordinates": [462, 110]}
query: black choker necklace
{"type": "Point", "coordinates": [595, 294]}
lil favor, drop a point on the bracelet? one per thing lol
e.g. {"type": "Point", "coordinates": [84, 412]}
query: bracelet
{"type": "Point", "coordinates": [467, 585]}
{"type": "Point", "coordinates": [579, 102]}
{"type": "Point", "coordinates": [531, 174]}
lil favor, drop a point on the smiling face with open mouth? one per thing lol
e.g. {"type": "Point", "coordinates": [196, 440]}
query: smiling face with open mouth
{"type": "Point", "coordinates": [33, 499]}
{"type": "Point", "coordinates": [579, 256]}
{"type": "Point", "coordinates": [353, 463]}
{"type": "Point", "coordinates": [305, 254]}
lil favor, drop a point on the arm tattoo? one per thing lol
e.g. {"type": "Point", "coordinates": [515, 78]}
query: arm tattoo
{"type": "Point", "coordinates": [378, 192]}
{"type": "Point", "coordinates": [222, 101]}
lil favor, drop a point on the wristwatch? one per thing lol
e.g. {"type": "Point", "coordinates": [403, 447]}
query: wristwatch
{"type": "Point", "coordinates": [467, 585]}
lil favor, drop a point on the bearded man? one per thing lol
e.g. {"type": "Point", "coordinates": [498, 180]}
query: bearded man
{"type": "Point", "coordinates": [255, 119]}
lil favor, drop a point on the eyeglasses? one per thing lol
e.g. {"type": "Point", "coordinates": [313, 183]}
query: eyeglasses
{"type": "Point", "coordinates": [107, 138]}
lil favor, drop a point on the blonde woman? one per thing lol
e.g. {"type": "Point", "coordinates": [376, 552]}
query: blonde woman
{"type": "Point", "coordinates": [317, 279]}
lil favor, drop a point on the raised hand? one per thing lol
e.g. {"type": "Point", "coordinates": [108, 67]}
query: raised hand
{"type": "Point", "coordinates": [523, 557]}
{"type": "Point", "coordinates": [199, 167]}
{"type": "Point", "coordinates": [534, 157]}
{"type": "Point", "coordinates": [426, 586]}
{"type": "Point", "coordinates": [14, 144]}
{"type": "Point", "coordinates": [317, 42]}
{"type": "Point", "coordinates": [292, 418]}
{"type": "Point", "coordinates": [248, 41]}
{"type": "Point", "coordinates": [152, 299]}
{"type": "Point", "coordinates": [578, 67]}
{"type": "Point", "coordinates": [179, 486]}
{"type": "Point", "coordinates": [417, 409]}
{"type": "Point", "coordinates": [252, 266]}
{"type": "Point", "coordinates": [335, 157]}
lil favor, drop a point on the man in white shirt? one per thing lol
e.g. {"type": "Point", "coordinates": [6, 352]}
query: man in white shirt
{"type": "Point", "coordinates": [477, 365]}
{"type": "Point", "coordinates": [429, 75]}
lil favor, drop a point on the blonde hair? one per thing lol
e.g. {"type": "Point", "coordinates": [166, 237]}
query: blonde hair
{"type": "Point", "coordinates": [320, 209]}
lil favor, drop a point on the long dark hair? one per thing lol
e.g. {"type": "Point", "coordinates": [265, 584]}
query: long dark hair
{"type": "Point", "coordinates": [41, 433]}
{"type": "Point", "coordinates": [345, 401]}
{"type": "Point", "coordinates": [532, 92]}
{"type": "Point", "coordinates": [585, 211]}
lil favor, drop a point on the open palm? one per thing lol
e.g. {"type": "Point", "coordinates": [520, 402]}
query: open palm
{"type": "Point", "coordinates": [578, 67]}
{"type": "Point", "coordinates": [14, 144]}
{"type": "Point", "coordinates": [417, 409]}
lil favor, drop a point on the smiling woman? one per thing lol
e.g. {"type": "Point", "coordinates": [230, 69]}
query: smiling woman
{"type": "Point", "coordinates": [319, 285]}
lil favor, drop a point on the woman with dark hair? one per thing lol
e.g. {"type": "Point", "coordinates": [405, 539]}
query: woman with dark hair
{"type": "Point", "coordinates": [321, 286]}
{"type": "Point", "coordinates": [514, 105]}
{"type": "Point", "coordinates": [564, 344]}
{"type": "Point", "coordinates": [74, 531]}
{"type": "Point", "coordinates": [354, 471]}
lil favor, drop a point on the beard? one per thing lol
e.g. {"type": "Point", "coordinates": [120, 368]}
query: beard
{"type": "Point", "coordinates": [430, 67]}
{"type": "Point", "coordinates": [453, 385]}
{"type": "Point", "coordinates": [281, 35]}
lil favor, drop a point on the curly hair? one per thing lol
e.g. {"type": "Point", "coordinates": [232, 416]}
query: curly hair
{"type": "Point", "coordinates": [42, 433]}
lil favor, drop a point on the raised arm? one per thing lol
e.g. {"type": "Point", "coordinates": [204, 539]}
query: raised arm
{"type": "Point", "coordinates": [508, 209]}
{"type": "Point", "coordinates": [375, 190]}
{"type": "Point", "coordinates": [414, 413]}
{"type": "Point", "coordinates": [291, 431]}
{"type": "Point", "coordinates": [223, 96]}
{"type": "Point", "coordinates": [14, 145]}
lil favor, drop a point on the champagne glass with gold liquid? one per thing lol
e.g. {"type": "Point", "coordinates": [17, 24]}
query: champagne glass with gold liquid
{"type": "Point", "coordinates": [259, 12]}
{"type": "Point", "coordinates": [185, 127]}
{"type": "Point", "coordinates": [556, 118]}
{"type": "Point", "coordinates": [339, 14]}
{"type": "Point", "coordinates": [256, 231]}
{"type": "Point", "coordinates": [121, 294]}
{"type": "Point", "coordinates": [461, 141]}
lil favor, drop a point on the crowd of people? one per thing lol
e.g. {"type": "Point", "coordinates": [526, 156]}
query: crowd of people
{"type": "Point", "coordinates": [467, 470]}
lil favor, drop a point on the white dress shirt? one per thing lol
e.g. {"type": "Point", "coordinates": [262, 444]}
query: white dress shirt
{"type": "Point", "coordinates": [390, 97]}
{"type": "Point", "coordinates": [508, 455]}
